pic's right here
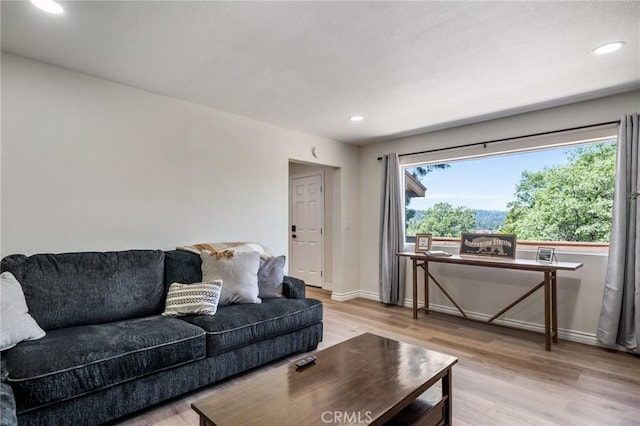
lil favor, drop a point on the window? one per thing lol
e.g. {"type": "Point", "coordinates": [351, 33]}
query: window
{"type": "Point", "coordinates": [542, 192]}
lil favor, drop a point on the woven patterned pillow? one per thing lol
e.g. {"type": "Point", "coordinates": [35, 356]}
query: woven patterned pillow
{"type": "Point", "coordinates": [193, 299]}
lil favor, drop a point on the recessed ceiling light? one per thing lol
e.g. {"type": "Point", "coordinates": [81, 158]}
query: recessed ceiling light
{"type": "Point", "coordinates": [608, 48]}
{"type": "Point", "coordinates": [356, 118]}
{"type": "Point", "coordinates": [48, 6]}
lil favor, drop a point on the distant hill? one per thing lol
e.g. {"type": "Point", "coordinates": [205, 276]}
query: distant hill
{"type": "Point", "coordinates": [490, 220]}
{"type": "Point", "coordinates": [486, 220]}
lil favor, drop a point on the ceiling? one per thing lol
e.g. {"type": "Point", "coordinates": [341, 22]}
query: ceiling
{"type": "Point", "coordinates": [407, 67]}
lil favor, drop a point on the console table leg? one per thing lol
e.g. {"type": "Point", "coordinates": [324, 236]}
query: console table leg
{"type": "Point", "coordinates": [554, 307]}
{"type": "Point", "coordinates": [425, 268]}
{"type": "Point", "coordinates": [415, 288]}
{"type": "Point", "coordinates": [547, 311]}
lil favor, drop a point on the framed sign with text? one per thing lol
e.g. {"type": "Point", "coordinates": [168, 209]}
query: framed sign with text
{"type": "Point", "coordinates": [498, 245]}
{"type": "Point", "coordinates": [423, 243]}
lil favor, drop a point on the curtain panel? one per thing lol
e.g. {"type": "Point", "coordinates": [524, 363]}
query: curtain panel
{"type": "Point", "coordinates": [392, 268]}
{"type": "Point", "coordinates": [619, 322]}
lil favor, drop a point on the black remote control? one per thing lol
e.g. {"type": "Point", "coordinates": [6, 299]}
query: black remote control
{"type": "Point", "coordinates": [306, 361]}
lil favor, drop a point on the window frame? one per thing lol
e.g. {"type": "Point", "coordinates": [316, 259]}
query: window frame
{"type": "Point", "coordinates": [507, 147]}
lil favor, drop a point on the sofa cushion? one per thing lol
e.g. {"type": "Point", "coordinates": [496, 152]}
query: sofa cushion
{"type": "Point", "coordinates": [71, 289]}
{"type": "Point", "coordinates": [238, 325]}
{"type": "Point", "coordinates": [74, 361]}
{"type": "Point", "coordinates": [181, 267]}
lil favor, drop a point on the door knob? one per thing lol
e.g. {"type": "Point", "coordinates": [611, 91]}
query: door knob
{"type": "Point", "coordinates": [293, 236]}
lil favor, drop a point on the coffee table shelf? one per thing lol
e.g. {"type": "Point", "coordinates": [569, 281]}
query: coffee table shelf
{"type": "Point", "coordinates": [424, 411]}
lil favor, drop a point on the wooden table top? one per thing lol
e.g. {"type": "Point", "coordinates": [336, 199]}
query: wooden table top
{"type": "Point", "coordinates": [369, 375]}
{"type": "Point", "coordinates": [496, 262]}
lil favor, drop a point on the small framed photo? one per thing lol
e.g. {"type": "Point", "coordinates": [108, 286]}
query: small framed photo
{"type": "Point", "coordinates": [423, 243]}
{"type": "Point", "coordinates": [545, 255]}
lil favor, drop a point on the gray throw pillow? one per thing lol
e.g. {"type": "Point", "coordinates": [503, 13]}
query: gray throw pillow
{"type": "Point", "coordinates": [193, 299]}
{"type": "Point", "coordinates": [238, 272]}
{"type": "Point", "coordinates": [270, 277]}
{"type": "Point", "coordinates": [16, 325]}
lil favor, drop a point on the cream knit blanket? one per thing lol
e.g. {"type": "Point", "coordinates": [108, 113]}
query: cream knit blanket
{"type": "Point", "coordinates": [218, 248]}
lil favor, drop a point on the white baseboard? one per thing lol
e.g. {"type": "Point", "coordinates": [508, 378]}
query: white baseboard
{"type": "Point", "coordinates": [570, 335]}
{"type": "Point", "coordinates": [327, 286]}
{"type": "Point", "coordinates": [341, 297]}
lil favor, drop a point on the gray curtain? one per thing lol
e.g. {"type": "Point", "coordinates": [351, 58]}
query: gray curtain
{"type": "Point", "coordinates": [392, 267]}
{"type": "Point", "coordinates": [620, 315]}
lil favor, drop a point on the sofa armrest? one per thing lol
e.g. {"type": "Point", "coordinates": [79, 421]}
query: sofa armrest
{"type": "Point", "coordinates": [7, 406]}
{"type": "Point", "coordinates": [7, 401]}
{"type": "Point", "coordinates": [293, 288]}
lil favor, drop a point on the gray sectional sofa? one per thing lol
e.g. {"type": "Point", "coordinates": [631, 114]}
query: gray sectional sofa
{"type": "Point", "coordinates": [108, 352]}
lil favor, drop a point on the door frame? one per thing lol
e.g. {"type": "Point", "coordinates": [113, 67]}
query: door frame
{"type": "Point", "coordinates": [323, 227]}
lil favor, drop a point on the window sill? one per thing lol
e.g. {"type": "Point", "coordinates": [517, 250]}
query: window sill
{"type": "Point", "coordinates": [532, 246]}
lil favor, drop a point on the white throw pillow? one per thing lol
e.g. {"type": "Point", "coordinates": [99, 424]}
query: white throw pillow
{"type": "Point", "coordinates": [193, 299]}
{"type": "Point", "coordinates": [16, 325]}
{"type": "Point", "coordinates": [237, 270]}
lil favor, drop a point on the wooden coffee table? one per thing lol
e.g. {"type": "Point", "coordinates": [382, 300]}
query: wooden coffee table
{"type": "Point", "coordinates": [365, 380]}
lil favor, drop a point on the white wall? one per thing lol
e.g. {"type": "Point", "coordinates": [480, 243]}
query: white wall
{"type": "Point", "coordinates": [485, 290]}
{"type": "Point", "coordinates": [88, 164]}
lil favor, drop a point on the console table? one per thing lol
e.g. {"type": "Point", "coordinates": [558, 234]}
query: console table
{"type": "Point", "coordinates": [549, 270]}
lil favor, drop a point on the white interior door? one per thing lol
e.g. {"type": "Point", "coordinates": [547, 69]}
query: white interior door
{"type": "Point", "coordinates": [306, 233]}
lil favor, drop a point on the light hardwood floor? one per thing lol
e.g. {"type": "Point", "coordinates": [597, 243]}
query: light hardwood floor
{"type": "Point", "coordinates": [504, 377]}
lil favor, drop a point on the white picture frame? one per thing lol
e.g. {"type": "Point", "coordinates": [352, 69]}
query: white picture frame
{"type": "Point", "coordinates": [545, 255]}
